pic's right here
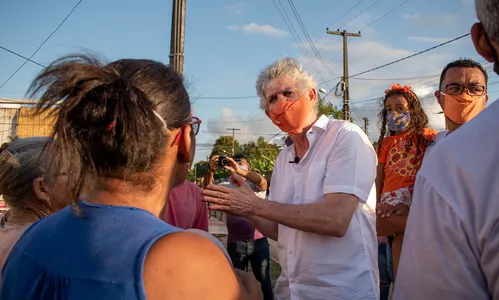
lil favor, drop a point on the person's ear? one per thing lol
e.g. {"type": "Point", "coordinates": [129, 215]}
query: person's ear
{"type": "Point", "coordinates": [41, 191]}
{"type": "Point", "coordinates": [479, 39]}
{"type": "Point", "coordinates": [439, 99]}
{"type": "Point", "coordinates": [312, 94]}
{"type": "Point", "coordinates": [185, 144]}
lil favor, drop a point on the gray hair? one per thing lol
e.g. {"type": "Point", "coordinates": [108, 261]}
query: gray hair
{"type": "Point", "coordinates": [20, 164]}
{"type": "Point", "coordinates": [283, 67]}
{"type": "Point", "coordinates": [488, 13]}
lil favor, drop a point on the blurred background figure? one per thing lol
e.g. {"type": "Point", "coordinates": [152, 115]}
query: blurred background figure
{"type": "Point", "coordinates": [30, 189]}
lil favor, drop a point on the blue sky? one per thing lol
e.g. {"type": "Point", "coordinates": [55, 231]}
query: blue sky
{"type": "Point", "coordinates": [229, 42]}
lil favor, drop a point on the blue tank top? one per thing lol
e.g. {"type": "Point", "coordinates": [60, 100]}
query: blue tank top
{"type": "Point", "coordinates": [98, 254]}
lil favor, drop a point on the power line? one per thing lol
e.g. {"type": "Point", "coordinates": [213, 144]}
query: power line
{"type": "Point", "coordinates": [330, 25]}
{"type": "Point", "coordinates": [373, 22]}
{"type": "Point", "coordinates": [394, 9]}
{"type": "Point", "coordinates": [22, 56]}
{"type": "Point", "coordinates": [41, 45]}
{"type": "Point", "coordinates": [235, 97]}
{"type": "Point", "coordinates": [404, 58]}
{"type": "Point", "coordinates": [412, 55]}
{"type": "Point", "coordinates": [225, 133]}
{"type": "Point", "coordinates": [297, 38]}
{"type": "Point", "coordinates": [399, 79]}
{"type": "Point", "coordinates": [307, 36]}
{"type": "Point", "coordinates": [361, 13]}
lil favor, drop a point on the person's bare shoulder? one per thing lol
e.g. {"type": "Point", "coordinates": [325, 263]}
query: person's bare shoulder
{"type": "Point", "coordinates": [187, 265]}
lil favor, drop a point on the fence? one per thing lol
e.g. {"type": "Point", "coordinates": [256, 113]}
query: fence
{"type": "Point", "coordinates": [17, 119]}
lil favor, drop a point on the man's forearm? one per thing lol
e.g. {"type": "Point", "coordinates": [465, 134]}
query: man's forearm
{"type": "Point", "coordinates": [258, 180]}
{"type": "Point", "coordinates": [266, 227]}
{"type": "Point", "coordinates": [391, 225]}
{"type": "Point", "coordinates": [208, 179]}
{"type": "Point", "coordinates": [314, 217]}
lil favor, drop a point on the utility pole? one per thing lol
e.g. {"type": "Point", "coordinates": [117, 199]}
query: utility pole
{"type": "Point", "coordinates": [346, 89]}
{"type": "Point", "coordinates": [233, 137]}
{"type": "Point", "coordinates": [366, 125]}
{"type": "Point", "coordinates": [178, 35]}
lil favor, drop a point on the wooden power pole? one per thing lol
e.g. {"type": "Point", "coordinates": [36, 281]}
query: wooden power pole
{"type": "Point", "coordinates": [366, 125]}
{"type": "Point", "coordinates": [346, 89]}
{"type": "Point", "coordinates": [233, 137]}
{"type": "Point", "coordinates": [178, 35]}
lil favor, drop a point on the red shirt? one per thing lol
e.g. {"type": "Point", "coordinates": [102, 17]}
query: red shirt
{"type": "Point", "coordinates": [185, 208]}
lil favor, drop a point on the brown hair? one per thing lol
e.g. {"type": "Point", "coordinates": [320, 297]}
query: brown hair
{"type": "Point", "coordinates": [20, 164]}
{"type": "Point", "coordinates": [107, 121]}
{"type": "Point", "coordinates": [419, 119]}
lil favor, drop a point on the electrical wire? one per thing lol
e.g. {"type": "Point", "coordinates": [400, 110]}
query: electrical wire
{"type": "Point", "coordinates": [307, 36]}
{"type": "Point", "coordinates": [41, 45]}
{"type": "Point", "coordinates": [22, 56]}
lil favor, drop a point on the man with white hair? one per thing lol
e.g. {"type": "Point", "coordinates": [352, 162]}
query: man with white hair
{"type": "Point", "coordinates": [451, 251]}
{"type": "Point", "coordinates": [322, 192]}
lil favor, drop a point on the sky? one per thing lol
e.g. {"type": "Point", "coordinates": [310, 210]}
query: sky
{"type": "Point", "coordinates": [227, 43]}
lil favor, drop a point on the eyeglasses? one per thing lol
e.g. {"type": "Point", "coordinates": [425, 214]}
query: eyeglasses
{"type": "Point", "coordinates": [195, 124]}
{"type": "Point", "coordinates": [472, 90]}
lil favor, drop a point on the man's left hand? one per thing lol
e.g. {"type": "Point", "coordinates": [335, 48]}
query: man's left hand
{"type": "Point", "coordinates": [233, 167]}
{"type": "Point", "coordinates": [240, 201]}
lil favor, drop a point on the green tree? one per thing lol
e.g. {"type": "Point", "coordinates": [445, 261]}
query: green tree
{"type": "Point", "coordinates": [223, 146]}
{"type": "Point", "coordinates": [327, 108]}
{"type": "Point", "coordinates": [261, 155]}
{"type": "Point", "coordinates": [198, 170]}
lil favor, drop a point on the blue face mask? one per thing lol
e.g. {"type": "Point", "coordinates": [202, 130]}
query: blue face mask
{"type": "Point", "coordinates": [397, 121]}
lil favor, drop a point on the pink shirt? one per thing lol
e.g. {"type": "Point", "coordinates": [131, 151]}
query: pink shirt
{"type": "Point", "coordinates": [185, 208]}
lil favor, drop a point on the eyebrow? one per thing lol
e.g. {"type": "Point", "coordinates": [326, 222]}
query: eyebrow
{"type": "Point", "coordinates": [286, 89]}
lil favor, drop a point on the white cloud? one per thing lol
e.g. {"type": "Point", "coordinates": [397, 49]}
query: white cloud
{"type": "Point", "coordinates": [365, 94]}
{"type": "Point", "coordinates": [232, 27]}
{"type": "Point", "coordinates": [437, 20]}
{"type": "Point", "coordinates": [426, 39]}
{"type": "Point", "coordinates": [236, 8]}
{"type": "Point", "coordinates": [411, 16]}
{"type": "Point", "coordinates": [251, 128]}
{"type": "Point", "coordinates": [259, 29]}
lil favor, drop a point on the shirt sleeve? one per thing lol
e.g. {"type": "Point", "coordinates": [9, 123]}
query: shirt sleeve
{"type": "Point", "coordinates": [382, 151]}
{"type": "Point", "coordinates": [351, 167]}
{"type": "Point", "coordinates": [201, 221]}
{"type": "Point", "coordinates": [435, 262]}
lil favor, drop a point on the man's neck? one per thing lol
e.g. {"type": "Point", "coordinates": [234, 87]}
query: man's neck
{"type": "Point", "coordinates": [451, 126]}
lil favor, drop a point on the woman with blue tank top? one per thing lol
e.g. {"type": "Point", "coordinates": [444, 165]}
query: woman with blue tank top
{"type": "Point", "coordinates": [122, 127]}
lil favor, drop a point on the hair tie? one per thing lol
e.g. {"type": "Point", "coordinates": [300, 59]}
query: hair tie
{"type": "Point", "coordinates": [111, 125]}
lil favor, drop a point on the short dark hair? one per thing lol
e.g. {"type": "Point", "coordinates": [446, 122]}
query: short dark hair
{"type": "Point", "coordinates": [107, 124]}
{"type": "Point", "coordinates": [463, 63]}
{"type": "Point", "coordinates": [240, 156]}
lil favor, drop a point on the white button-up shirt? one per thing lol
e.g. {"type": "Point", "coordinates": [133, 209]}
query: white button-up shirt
{"type": "Point", "coordinates": [340, 160]}
{"type": "Point", "coordinates": [451, 249]}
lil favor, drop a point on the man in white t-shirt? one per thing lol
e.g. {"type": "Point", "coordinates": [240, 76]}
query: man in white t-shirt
{"type": "Point", "coordinates": [322, 196]}
{"type": "Point", "coordinates": [451, 250]}
{"type": "Point", "coordinates": [462, 94]}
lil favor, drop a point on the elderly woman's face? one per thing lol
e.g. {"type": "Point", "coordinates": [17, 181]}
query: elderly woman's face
{"type": "Point", "coordinates": [281, 89]}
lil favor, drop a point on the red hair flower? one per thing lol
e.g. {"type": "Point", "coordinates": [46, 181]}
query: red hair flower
{"type": "Point", "coordinates": [398, 88]}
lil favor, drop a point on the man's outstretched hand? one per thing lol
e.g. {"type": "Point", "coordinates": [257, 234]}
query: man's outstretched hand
{"type": "Point", "coordinates": [240, 201]}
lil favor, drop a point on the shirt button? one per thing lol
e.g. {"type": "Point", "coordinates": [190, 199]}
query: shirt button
{"type": "Point", "coordinates": [292, 281]}
{"type": "Point", "coordinates": [296, 198]}
{"type": "Point", "coordinates": [290, 252]}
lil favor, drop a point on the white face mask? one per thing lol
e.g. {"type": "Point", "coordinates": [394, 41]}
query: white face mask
{"type": "Point", "coordinates": [244, 168]}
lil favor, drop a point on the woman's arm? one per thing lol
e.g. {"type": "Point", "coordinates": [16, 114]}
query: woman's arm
{"type": "Point", "coordinates": [186, 265]}
{"type": "Point", "coordinates": [380, 177]}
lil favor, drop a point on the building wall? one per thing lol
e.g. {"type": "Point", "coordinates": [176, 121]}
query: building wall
{"type": "Point", "coordinates": [29, 125]}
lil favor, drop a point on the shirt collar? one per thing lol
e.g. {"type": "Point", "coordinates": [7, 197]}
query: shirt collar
{"type": "Point", "coordinates": [320, 124]}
